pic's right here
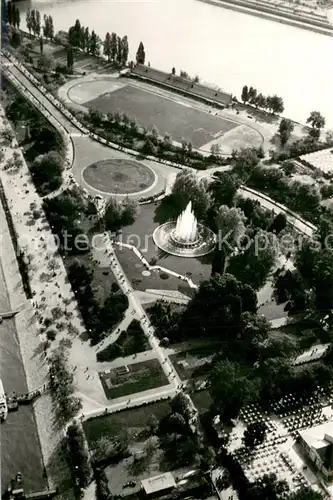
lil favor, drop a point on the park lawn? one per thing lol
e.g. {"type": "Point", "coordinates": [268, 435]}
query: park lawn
{"type": "Point", "coordinates": [141, 377]}
{"type": "Point", "coordinates": [140, 235]}
{"type": "Point", "coordinates": [193, 363]}
{"type": "Point", "coordinates": [133, 419]}
{"type": "Point", "coordinates": [202, 400]}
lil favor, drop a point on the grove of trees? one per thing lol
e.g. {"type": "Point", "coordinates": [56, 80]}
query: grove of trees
{"type": "Point", "coordinates": [114, 47]}
{"type": "Point", "coordinates": [274, 104]}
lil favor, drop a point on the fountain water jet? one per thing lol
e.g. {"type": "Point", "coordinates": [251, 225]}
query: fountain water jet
{"type": "Point", "coordinates": [187, 226]}
{"type": "Point", "coordinates": [185, 237]}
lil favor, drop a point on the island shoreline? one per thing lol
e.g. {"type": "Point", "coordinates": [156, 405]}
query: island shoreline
{"type": "Point", "coordinates": [251, 8]}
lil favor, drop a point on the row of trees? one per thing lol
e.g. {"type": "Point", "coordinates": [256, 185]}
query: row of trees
{"type": "Point", "coordinates": [273, 104]}
{"type": "Point", "coordinates": [115, 48]}
{"type": "Point", "coordinates": [77, 456]}
{"type": "Point", "coordinates": [61, 383]}
{"type": "Point", "coordinates": [13, 15]}
{"type": "Point", "coordinates": [33, 21]}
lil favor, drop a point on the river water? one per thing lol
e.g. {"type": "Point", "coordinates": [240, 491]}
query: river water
{"type": "Point", "coordinates": [223, 47]}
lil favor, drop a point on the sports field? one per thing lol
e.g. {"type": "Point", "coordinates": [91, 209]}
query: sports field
{"type": "Point", "coordinates": [176, 119]}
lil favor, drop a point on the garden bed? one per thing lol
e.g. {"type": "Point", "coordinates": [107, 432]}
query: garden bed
{"type": "Point", "coordinates": [136, 377]}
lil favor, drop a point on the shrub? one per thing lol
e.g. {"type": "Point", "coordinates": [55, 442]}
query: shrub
{"type": "Point", "coordinates": [51, 334]}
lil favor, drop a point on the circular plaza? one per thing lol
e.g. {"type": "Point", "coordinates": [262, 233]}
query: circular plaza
{"type": "Point", "coordinates": [119, 177]}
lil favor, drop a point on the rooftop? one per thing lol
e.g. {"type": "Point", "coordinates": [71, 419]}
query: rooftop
{"type": "Point", "coordinates": [158, 483]}
{"type": "Point", "coordinates": [320, 438]}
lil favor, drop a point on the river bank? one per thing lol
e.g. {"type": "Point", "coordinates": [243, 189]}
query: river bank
{"type": "Point", "coordinates": [265, 10]}
{"type": "Point", "coordinates": [20, 444]}
{"type": "Point", "coordinates": [21, 195]}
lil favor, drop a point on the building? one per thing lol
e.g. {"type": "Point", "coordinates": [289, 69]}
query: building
{"type": "Point", "coordinates": [318, 444]}
{"type": "Point", "coordinates": [157, 485]}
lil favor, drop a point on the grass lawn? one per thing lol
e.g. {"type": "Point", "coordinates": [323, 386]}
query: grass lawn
{"type": "Point", "coordinates": [202, 400]}
{"type": "Point", "coordinates": [140, 235]}
{"type": "Point", "coordinates": [140, 377]}
{"type": "Point", "coordinates": [119, 176]}
{"type": "Point", "coordinates": [135, 419]}
{"type": "Point", "coordinates": [193, 363]}
{"type": "Point", "coordinates": [151, 110]}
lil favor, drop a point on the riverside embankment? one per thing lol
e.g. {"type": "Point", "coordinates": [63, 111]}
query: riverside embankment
{"type": "Point", "coordinates": [265, 10]}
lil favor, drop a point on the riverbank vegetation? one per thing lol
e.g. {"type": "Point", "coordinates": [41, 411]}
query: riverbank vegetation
{"type": "Point", "coordinates": [274, 104]}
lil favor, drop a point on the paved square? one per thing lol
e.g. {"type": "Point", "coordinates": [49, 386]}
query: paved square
{"type": "Point", "coordinates": [149, 110]}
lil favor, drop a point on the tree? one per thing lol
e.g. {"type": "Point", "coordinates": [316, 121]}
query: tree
{"type": "Point", "coordinates": [94, 44]}
{"type": "Point", "coordinates": [286, 127]}
{"type": "Point", "coordinates": [47, 172]}
{"type": "Point", "coordinates": [279, 223]}
{"type": "Point", "coordinates": [9, 12]}
{"type": "Point", "coordinates": [140, 55]}
{"type": "Point", "coordinates": [224, 188]}
{"type": "Point", "coordinates": [113, 47]}
{"type": "Point", "coordinates": [107, 46]}
{"type": "Point", "coordinates": [316, 120]}
{"type": "Point", "coordinates": [102, 486]}
{"type": "Point", "coordinates": [119, 51]}
{"type": "Point", "coordinates": [261, 101]}
{"type": "Point", "coordinates": [231, 228]}
{"type": "Point", "coordinates": [230, 388]}
{"type": "Point", "coordinates": [276, 104]}
{"type": "Point", "coordinates": [113, 214]}
{"type": "Point", "coordinates": [41, 44]}
{"type": "Point", "coordinates": [130, 211]}
{"type": "Point", "coordinates": [189, 187]}
{"type": "Point", "coordinates": [70, 58]}
{"type": "Point", "coordinates": [216, 308]}
{"type": "Point", "coordinates": [28, 20]}
{"type": "Point", "coordinates": [124, 50]}
{"type": "Point", "coordinates": [306, 493]}
{"type": "Point", "coordinates": [78, 456]}
{"type": "Point", "coordinates": [215, 150]}
{"type": "Point", "coordinates": [252, 94]}
{"type": "Point", "coordinates": [75, 34]}
{"type": "Point", "coordinates": [245, 160]}
{"type": "Point", "coordinates": [245, 94]}
{"type": "Point", "coordinates": [85, 39]}
{"type": "Point", "coordinates": [253, 265]}
{"type": "Point", "coordinates": [255, 434]}
{"type": "Point", "coordinates": [268, 487]}
{"type": "Point", "coordinates": [17, 18]}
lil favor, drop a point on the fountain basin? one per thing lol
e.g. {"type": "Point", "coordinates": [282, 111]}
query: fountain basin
{"type": "Point", "coordinates": [168, 240]}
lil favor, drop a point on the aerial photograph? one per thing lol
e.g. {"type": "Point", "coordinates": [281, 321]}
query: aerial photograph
{"type": "Point", "coordinates": [166, 250]}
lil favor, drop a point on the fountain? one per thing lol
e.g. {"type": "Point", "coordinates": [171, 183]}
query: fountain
{"type": "Point", "coordinates": [185, 237]}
